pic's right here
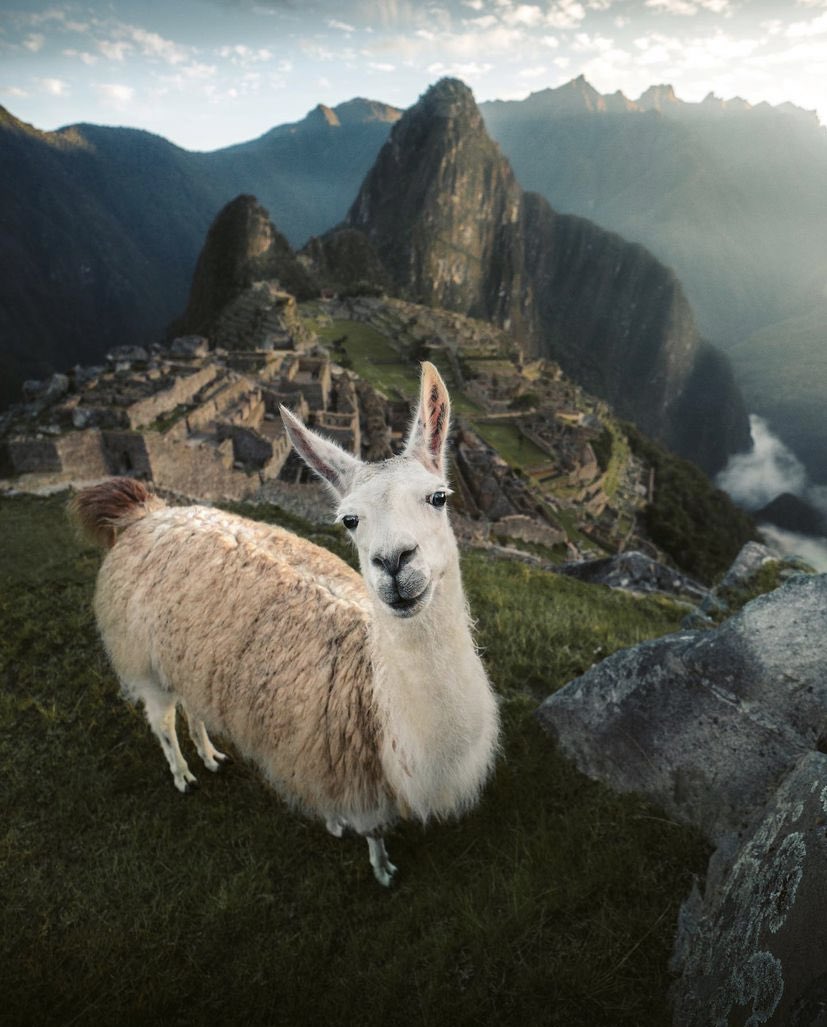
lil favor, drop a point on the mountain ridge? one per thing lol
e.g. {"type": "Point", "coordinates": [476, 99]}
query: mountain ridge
{"type": "Point", "coordinates": [449, 221]}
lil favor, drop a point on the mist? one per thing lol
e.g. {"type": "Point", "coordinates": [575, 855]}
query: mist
{"type": "Point", "coordinates": [754, 479]}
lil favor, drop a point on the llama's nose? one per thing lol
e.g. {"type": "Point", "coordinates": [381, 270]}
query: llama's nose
{"type": "Point", "coordinates": [393, 562]}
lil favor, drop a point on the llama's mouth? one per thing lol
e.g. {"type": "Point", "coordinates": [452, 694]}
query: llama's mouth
{"type": "Point", "coordinates": [405, 606]}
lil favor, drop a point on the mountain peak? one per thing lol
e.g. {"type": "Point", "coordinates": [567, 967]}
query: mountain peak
{"type": "Point", "coordinates": [359, 111]}
{"type": "Point", "coordinates": [448, 98]}
{"type": "Point", "coordinates": [321, 116]}
{"type": "Point", "coordinates": [656, 98]}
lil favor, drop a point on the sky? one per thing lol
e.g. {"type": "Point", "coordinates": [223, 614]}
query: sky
{"type": "Point", "coordinates": [209, 73]}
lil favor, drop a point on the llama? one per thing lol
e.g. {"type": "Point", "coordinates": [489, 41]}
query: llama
{"type": "Point", "coordinates": [362, 699]}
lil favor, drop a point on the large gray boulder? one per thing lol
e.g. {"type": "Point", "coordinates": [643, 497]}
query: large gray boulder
{"type": "Point", "coordinates": [754, 949]}
{"type": "Point", "coordinates": [705, 723]}
{"type": "Point", "coordinates": [636, 572]}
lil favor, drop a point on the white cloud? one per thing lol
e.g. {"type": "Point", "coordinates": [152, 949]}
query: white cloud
{"type": "Point", "coordinates": [116, 92]}
{"type": "Point", "coordinates": [805, 29]}
{"type": "Point", "coordinates": [565, 14]}
{"type": "Point", "coordinates": [14, 91]}
{"type": "Point", "coordinates": [529, 73]}
{"type": "Point", "coordinates": [342, 26]}
{"type": "Point", "coordinates": [689, 8]}
{"type": "Point", "coordinates": [82, 55]}
{"type": "Point", "coordinates": [524, 14]}
{"type": "Point", "coordinates": [114, 51]}
{"type": "Point", "coordinates": [156, 47]}
{"type": "Point", "coordinates": [551, 41]}
{"type": "Point", "coordinates": [470, 69]}
{"type": "Point", "coordinates": [34, 41]}
{"type": "Point", "coordinates": [485, 21]}
{"type": "Point", "coordinates": [380, 66]}
{"type": "Point", "coordinates": [475, 5]}
{"type": "Point", "coordinates": [244, 55]}
{"type": "Point", "coordinates": [53, 86]}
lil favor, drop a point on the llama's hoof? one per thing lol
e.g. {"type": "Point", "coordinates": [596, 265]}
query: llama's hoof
{"type": "Point", "coordinates": [385, 874]}
{"type": "Point", "coordinates": [216, 761]}
{"type": "Point", "coordinates": [186, 784]}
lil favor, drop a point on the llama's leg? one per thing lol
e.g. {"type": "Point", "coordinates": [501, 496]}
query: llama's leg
{"type": "Point", "coordinates": [383, 869]}
{"type": "Point", "coordinates": [336, 826]}
{"type": "Point", "coordinates": [160, 712]}
{"type": "Point", "coordinates": [206, 750]}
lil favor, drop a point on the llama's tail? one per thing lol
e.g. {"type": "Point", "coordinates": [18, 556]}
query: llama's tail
{"type": "Point", "coordinates": [103, 510]}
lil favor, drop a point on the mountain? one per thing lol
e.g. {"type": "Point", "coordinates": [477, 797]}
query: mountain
{"type": "Point", "coordinates": [443, 210]}
{"type": "Point", "coordinates": [729, 195]}
{"type": "Point", "coordinates": [102, 226]}
{"type": "Point", "coordinates": [242, 247]}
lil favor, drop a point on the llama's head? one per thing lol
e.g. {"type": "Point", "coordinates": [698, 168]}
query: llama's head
{"type": "Point", "coordinates": [394, 510]}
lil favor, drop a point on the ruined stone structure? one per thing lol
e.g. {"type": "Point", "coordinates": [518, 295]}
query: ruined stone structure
{"type": "Point", "coordinates": [193, 419]}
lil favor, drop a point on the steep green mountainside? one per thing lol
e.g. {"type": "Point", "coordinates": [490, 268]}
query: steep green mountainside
{"type": "Point", "coordinates": [448, 220]}
{"type": "Point", "coordinates": [102, 226]}
{"type": "Point", "coordinates": [731, 197]}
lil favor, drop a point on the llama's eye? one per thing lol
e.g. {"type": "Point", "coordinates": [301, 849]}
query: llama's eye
{"type": "Point", "coordinates": [438, 499]}
{"type": "Point", "coordinates": [350, 521]}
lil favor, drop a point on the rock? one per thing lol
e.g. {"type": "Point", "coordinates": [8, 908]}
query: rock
{"type": "Point", "coordinates": [753, 949]}
{"type": "Point", "coordinates": [747, 564]}
{"type": "Point", "coordinates": [56, 387]}
{"type": "Point", "coordinates": [636, 572]}
{"type": "Point", "coordinates": [190, 346]}
{"type": "Point", "coordinates": [127, 355]}
{"type": "Point", "coordinates": [703, 723]}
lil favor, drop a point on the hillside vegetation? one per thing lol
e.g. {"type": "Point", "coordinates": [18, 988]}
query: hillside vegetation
{"type": "Point", "coordinates": [125, 902]}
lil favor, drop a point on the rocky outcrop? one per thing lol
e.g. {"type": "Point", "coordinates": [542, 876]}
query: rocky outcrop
{"type": "Point", "coordinates": [705, 723]}
{"type": "Point", "coordinates": [636, 572]}
{"type": "Point", "coordinates": [242, 247]}
{"type": "Point", "coordinates": [752, 949]}
{"type": "Point", "coordinates": [726, 730]}
{"type": "Point", "coordinates": [447, 219]}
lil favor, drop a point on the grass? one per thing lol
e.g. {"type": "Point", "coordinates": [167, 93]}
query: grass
{"type": "Point", "coordinates": [124, 902]}
{"type": "Point", "coordinates": [511, 445]}
{"type": "Point", "coordinates": [373, 357]}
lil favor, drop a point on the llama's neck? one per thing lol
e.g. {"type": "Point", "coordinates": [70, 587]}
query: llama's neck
{"type": "Point", "coordinates": [438, 712]}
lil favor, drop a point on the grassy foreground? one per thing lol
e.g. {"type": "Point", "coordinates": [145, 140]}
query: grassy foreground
{"type": "Point", "coordinates": [123, 902]}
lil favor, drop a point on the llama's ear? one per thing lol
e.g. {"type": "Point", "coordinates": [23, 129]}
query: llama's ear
{"type": "Point", "coordinates": [429, 433]}
{"type": "Point", "coordinates": [336, 467]}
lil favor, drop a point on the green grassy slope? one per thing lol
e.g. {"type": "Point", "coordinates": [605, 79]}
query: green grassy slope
{"type": "Point", "coordinates": [125, 902]}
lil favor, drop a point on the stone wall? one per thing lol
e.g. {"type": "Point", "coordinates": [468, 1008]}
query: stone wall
{"type": "Point", "coordinates": [182, 390]}
{"type": "Point", "coordinates": [198, 469]}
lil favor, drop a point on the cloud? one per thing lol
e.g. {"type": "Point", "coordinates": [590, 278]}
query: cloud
{"type": "Point", "coordinates": [805, 29]}
{"type": "Point", "coordinates": [116, 92]}
{"type": "Point", "coordinates": [82, 55]}
{"type": "Point", "coordinates": [245, 55]}
{"type": "Point", "coordinates": [381, 66]}
{"type": "Point", "coordinates": [811, 549]}
{"type": "Point", "coordinates": [529, 73]}
{"type": "Point", "coordinates": [34, 42]}
{"type": "Point", "coordinates": [467, 70]}
{"type": "Point", "coordinates": [53, 86]}
{"type": "Point", "coordinates": [689, 8]}
{"type": "Point", "coordinates": [114, 51]}
{"type": "Point", "coordinates": [755, 478]}
{"type": "Point", "coordinates": [14, 91]}
{"type": "Point", "coordinates": [565, 14]}
{"type": "Point", "coordinates": [342, 26]}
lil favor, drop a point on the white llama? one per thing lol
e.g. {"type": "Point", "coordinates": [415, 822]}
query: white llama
{"type": "Point", "coordinates": [362, 699]}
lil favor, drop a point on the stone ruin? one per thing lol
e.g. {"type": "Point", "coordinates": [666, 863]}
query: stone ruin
{"type": "Point", "coordinates": [193, 418]}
